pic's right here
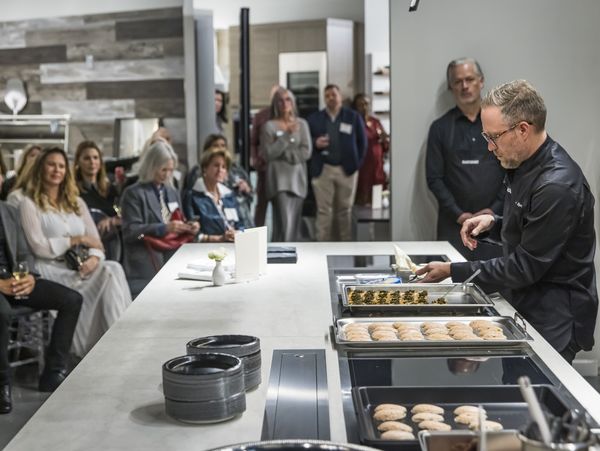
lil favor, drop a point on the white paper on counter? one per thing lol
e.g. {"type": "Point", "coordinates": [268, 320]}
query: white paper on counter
{"type": "Point", "coordinates": [205, 276]}
{"type": "Point", "coordinates": [206, 264]}
{"type": "Point", "coordinates": [376, 196]}
{"type": "Point", "coordinates": [250, 253]}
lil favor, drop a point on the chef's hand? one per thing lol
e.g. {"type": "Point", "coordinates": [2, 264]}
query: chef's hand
{"type": "Point", "coordinates": [434, 272]}
{"type": "Point", "coordinates": [473, 227]}
{"type": "Point", "coordinates": [463, 217]}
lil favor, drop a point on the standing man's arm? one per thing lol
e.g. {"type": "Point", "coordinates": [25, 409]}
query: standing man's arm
{"type": "Point", "coordinates": [435, 169]}
{"type": "Point", "coordinates": [361, 139]}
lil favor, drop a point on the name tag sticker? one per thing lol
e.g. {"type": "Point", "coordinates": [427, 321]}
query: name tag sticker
{"type": "Point", "coordinates": [172, 206]}
{"type": "Point", "coordinates": [470, 161]}
{"type": "Point", "coordinates": [231, 214]}
{"type": "Point", "coordinates": [346, 128]}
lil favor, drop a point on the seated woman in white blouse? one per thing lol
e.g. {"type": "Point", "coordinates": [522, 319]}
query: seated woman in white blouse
{"type": "Point", "coordinates": [55, 218]}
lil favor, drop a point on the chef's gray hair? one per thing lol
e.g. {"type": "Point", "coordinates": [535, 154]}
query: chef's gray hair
{"type": "Point", "coordinates": [518, 101]}
{"type": "Point", "coordinates": [459, 62]}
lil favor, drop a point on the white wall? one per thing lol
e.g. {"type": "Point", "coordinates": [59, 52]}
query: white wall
{"type": "Point", "coordinates": [33, 9]}
{"type": "Point", "coordinates": [227, 12]}
{"type": "Point", "coordinates": [551, 43]}
{"type": "Point", "coordinates": [377, 31]}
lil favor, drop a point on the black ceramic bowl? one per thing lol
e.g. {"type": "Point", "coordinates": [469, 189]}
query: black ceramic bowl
{"type": "Point", "coordinates": [203, 377]}
{"type": "Point", "coordinates": [294, 445]}
{"type": "Point", "coordinates": [206, 411]}
{"type": "Point", "coordinates": [238, 345]}
{"type": "Point", "coordinates": [244, 346]}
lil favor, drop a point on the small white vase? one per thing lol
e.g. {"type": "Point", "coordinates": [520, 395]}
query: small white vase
{"type": "Point", "coordinates": [218, 275]}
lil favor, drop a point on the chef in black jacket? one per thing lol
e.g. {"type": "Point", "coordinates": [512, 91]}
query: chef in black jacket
{"type": "Point", "coordinates": [463, 176]}
{"type": "Point", "coordinates": [547, 227]}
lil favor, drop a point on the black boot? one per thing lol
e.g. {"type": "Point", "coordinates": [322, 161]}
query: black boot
{"type": "Point", "coordinates": [51, 379]}
{"type": "Point", "coordinates": [5, 399]}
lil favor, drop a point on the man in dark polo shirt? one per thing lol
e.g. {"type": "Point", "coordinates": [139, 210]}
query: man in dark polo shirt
{"type": "Point", "coordinates": [547, 225]}
{"type": "Point", "coordinates": [464, 177]}
{"type": "Point", "coordinates": [36, 293]}
{"type": "Point", "coordinates": [340, 143]}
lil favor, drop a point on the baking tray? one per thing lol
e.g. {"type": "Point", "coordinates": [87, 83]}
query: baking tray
{"type": "Point", "coordinates": [502, 403]}
{"type": "Point", "coordinates": [463, 440]}
{"type": "Point", "coordinates": [463, 299]}
{"type": "Point", "coordinates": [516, 334]}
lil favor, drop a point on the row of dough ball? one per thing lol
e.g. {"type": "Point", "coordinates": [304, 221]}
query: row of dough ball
{"type": "Point", "coordinates": [405, 331]}
{"type": "Point", "coordinates": [426, 416]}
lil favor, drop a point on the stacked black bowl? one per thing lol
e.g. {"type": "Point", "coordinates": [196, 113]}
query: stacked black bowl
{"type": "Point", "coordinates": [204, 388]}
{"type": "Point", "coordinates": [245, 347]}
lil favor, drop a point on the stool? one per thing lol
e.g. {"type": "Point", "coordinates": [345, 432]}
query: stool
{"type": "Point", "coordinates": [27, 331]}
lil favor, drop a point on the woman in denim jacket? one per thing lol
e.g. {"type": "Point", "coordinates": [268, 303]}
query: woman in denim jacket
{"type": "Point", "coordinates": [211, 202]}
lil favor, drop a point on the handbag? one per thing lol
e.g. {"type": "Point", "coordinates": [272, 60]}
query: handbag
{"type": "Point", "coordinates": [76, 255]}
{"type": "Point", "coordinates": [170, 241]}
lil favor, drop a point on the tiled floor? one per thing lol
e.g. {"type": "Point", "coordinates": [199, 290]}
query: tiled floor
{"type": "Point", "coordinates": [26, 401]}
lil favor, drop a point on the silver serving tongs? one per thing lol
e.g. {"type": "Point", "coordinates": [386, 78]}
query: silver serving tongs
{"type": "Point", "coordinates": [463, 285]}
{"type": "Point", "coordinates": [535, 409]}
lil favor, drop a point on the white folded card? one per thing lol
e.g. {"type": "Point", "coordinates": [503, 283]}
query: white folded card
{"type": "Point", "coordinates": [250, 253]}
{"type": "Point", "coordinates": [208, 264]}
{"type": "Point", "coordinates": [205, 276]}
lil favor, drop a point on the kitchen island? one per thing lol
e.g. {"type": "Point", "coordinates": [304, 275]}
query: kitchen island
{"type": "Point", "coordinates": [113, 398]}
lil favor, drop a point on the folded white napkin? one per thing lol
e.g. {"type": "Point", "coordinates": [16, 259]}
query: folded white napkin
{"type": "Point", "coordinates": [208, 265]}
{"type": "Point", "coordinates": [403, 261]}
{"type": "Point", "coordinates": [205, 276]}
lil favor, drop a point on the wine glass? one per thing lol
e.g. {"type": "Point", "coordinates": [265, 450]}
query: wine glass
{"type": "Point", "coordinates": [20, 271]}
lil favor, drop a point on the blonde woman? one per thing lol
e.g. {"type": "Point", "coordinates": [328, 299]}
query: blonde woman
{"type": "Point", "coordinates": [54, 219]}
{"type": "Point", "coordinates": [286, 146]}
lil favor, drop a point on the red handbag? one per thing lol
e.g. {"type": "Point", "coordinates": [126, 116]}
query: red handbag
{"type": "Point", "coordinates": [170, 241]}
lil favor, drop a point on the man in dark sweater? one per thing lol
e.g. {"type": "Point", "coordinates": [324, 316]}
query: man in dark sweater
{"type": "Point", "coordinates": [37, 293]}
{"type": "Point", "coordinates": [339, 146]}
{"type": "Point", "coordinates": [464, 177]}
{"type": "Point", "coordinates": [547, 226]}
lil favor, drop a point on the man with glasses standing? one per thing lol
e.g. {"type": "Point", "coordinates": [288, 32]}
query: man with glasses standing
{"type": "Point", "coordinates": [547, 225]}
{"type": "Point", "coordinates": [463, 176]}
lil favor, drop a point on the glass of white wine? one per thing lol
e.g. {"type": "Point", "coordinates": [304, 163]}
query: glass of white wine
{"type": "Point", "coordinates": [20, 271]}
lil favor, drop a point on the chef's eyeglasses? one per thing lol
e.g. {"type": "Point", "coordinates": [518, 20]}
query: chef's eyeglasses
{"type": "Point", "coordinates": [493, 138]}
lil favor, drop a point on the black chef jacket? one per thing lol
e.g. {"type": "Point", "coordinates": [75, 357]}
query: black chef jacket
{"type": "Point", "coordinates": [463, 175]}
{"type": "Point", "coordinates": [548, 238]}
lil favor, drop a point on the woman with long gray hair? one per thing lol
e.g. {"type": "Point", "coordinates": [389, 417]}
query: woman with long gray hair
{"type": "Point", "coordinates": [147, 208]}
{"type": "Point", "coordinates": [286, 146]}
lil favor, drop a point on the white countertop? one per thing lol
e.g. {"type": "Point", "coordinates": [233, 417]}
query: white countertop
{"type": "Point", "coordinates": [113, 399]}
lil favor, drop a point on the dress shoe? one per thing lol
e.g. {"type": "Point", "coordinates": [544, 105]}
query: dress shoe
{"type": "Point", "coordinates": [51, 379]}
{"type": "Point", "coordinates": [5, 399]}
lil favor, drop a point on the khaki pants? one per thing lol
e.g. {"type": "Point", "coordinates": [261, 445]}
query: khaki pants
{"type": "Point", "coordinates": [334, 194]}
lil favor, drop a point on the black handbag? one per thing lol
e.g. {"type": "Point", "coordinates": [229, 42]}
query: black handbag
{"type": "Point", "coordinates": [76, 255]}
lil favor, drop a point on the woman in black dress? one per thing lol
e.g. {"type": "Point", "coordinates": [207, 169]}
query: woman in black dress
{"type": "Point", "coordinates": [100, 195]}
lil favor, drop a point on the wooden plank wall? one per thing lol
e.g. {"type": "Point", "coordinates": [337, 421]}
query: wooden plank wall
{"type": "Point", "coordinates": [138, 70]}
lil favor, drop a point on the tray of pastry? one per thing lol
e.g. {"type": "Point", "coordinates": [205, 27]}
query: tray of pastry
{"type": "Point", "coordinates": [431, 331]}
{"type": "Point", "coordinates": [410, 297]}
{"type": "Point", "coordinates": [391, 417]}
